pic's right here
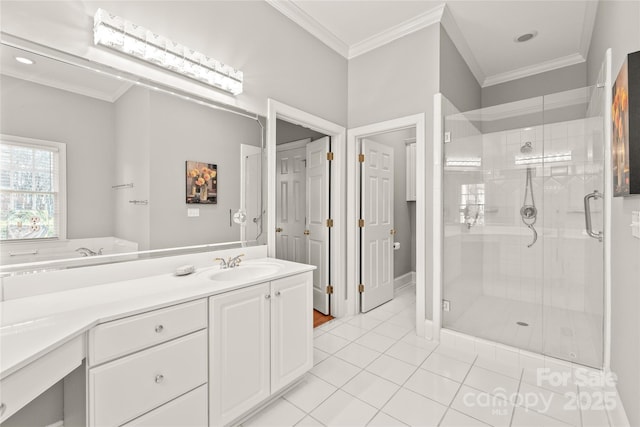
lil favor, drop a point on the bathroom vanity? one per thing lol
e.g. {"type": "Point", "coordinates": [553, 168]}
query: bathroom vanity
{"type": "Point", "coordinates": [205, 349]}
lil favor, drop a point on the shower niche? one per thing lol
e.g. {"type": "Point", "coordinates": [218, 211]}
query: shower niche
{"type": "Point", "coordinates": [519, 265]}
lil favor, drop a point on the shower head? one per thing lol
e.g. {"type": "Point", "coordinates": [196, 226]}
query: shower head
{"type": "Point", "coordinates": [526, 147]}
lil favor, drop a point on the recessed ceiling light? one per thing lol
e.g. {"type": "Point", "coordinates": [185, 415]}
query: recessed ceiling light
{"type": "Point", "coordinates": [23, 60]}
{"type": "Point", "coordinates": [526, 37]}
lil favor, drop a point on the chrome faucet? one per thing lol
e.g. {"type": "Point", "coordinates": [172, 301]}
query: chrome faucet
{"type": "Point", "coordinates": [231, 262]}
{"type": "Point", "coordinates": [88, 252]}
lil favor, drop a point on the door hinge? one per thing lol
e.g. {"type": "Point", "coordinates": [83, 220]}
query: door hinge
{"type": "Point", "coordinates": [330, 155]}
{"type": "Point", "coordinates": [361, 158]}
{"type": "Point", "coordinates": [329, 289]}
{"type": "Point", "coordinates": [361, 223]}
{"type": "Point", "coordinates": [361, 288]}
{"type": "Point", "coordinates": [329, 223]}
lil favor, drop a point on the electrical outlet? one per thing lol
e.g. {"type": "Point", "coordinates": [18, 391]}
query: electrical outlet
{"type": "Point", "coordinates": [193, 212]}
{"type": "Point", "coordinates": [446, 305]}
{"type": "Point", "coordinates": [447, 137]}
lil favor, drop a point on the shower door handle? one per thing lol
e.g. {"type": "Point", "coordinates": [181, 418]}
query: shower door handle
{"type": "Point", "coordinates": [587, 214]}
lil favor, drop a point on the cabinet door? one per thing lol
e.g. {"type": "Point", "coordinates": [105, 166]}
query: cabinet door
{"type": "Point", "coordinates": [239, 352]}
{"type": "Point", "coordinates": [291, 329]}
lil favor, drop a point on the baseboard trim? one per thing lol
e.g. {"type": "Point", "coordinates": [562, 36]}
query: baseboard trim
{"type": "Point", "coordinates": [56, 424]}
{"type": "Point", "coordinates": [404, 280]}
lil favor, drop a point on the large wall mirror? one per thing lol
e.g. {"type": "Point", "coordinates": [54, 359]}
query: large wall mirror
{"type": "Point", "coordinates": [96, 163]}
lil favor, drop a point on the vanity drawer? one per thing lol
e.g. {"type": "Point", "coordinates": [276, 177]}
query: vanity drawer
{"type": "Point", "coordinates": [121, 337]}
{"type": "Point", "coordinates": [131, 386]}
{"type": "Point", "coordinates": [189, 410]}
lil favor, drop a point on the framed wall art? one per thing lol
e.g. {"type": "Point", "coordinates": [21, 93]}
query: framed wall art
{"type": "Point", "coordinates": [201, 183]}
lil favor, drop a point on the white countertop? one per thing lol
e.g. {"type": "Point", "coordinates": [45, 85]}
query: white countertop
{"type": "Point", "coordinates": [33, 326]}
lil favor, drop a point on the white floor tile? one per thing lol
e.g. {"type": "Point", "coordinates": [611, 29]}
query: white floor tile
{"type": "Point", "coordinates": [330, 343]}
{"type": "Point", "coordinates": [317, 332]}
{"type": "Point", "coordinates": [513, 371]}
{"type": "Point", "coordinates": [446, 366]}
{"type": "Point", "coordinates": [335, 371]}
{"type": "Point", "coordinates": [392, 331]}
{"type": "Point", "coordinates": [529, 418]}
{"type": "Point", "coordinates": [379, 314]}
{"type": "Point", "coordinates": [310, 393]}
{"type": "Point", "coordinates": [278, 414]}
{"type": "Point", "coordinates": [433, 386]}
{"type": "Point", "coordinates": [408, 353]}
{"type": "Point", "coordinates": [414, 409]}
{"type": "Point", "coordinates": [349, 332]}
{"type": "Point", "coordinates": [375, 341]}
{"type": "Point", "coordinates": [330, 325]}
{"type": "Point", "coordinates": [456, 353]}
{"type": "Point", "coordinates": [454, 418]}
{"type": "Point", "coordinates": [358, 354]}
{"type": "Point", "coordinates": [491, 382]}
{"type": "Point", "coordinates": [391, 369]}
{"type": "Point", "coordinates": [342, 409]}
{"type": "Point", "coordinates": [384, 420]}
{"type": "Point", "coordinates": [483, 406]}
{"type": "Point", "coordinates": [370, 388]}
{"type": "Point", "coordinates": [403, 320]}
{"type": "Point", "coordinates": [309, 421]}
{"type": "Point", "coordinates": [364, 322]}
{"type": "Point", "coordinates": [415, 340]}
{"type": "Point", "coordinates": [550, 404]}
{"type": "Point", "coordinates": [319, 356]}
{"type": "Point", "coordinates": [542, 377]}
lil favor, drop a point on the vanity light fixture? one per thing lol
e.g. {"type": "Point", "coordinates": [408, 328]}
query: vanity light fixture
{"type": "Point", "coordinates": [119, 34]}
{"type": "Point", "coordinates": [26, 61]}
{"type": "Point", "coordinates": [463, 161]}
{"type": "Point", "coordinates": [564, 156]}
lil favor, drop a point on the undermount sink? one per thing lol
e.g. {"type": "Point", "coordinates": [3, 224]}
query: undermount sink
{"type": "Point", "coordinates": [246, 272]}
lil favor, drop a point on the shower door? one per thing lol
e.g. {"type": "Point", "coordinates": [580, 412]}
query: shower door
{"type": "Point", "coordinates": [519, 267]}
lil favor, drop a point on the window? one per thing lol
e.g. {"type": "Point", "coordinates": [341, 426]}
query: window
{"type": "Point", "coordinates": [472, 204]}
{"type": "Point", "coordinates": [32, 189]}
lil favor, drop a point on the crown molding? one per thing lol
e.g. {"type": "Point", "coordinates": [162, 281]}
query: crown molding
{"type": "Point", "coordinates": [303, 19]}
{"type": "Point", "coordinates": [542, 67]}
{"type": "Point", "coordinates": [458, 39]}
{"type": "Point", "coordinates": [409, 26]}
{"type": "Point", "coordinates": [590, 12]}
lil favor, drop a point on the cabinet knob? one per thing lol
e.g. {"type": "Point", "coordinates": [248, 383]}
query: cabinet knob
{"type": "Point", "coordinates": [159, 378]}
{"type": "Point", "coordinates": [267, 296]}
{"type": "Point", "coordinates": [159, 328]}
{"type": "Point", "coordinates": [3, 407]}
{"type": "Point", "coordinates": [277, 293]}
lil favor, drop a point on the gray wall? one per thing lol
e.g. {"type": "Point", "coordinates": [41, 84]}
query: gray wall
{"type": "Point", "coordinates": [279, 59]}
{"type": "Point", "coordinates": [405, 257]}
{"type": "Point", "coordinates": [183, 131]}
{"type": "Point", "coordinates": [457, 82]}
{"type": "Point", "coordinates": [618, 27]}
{"type": "Point", "coordinates": [561, 79]}
{"type": "Point", "coordinates": [132, 166]}
{"type": "Point", "coordinates": [396, 80]}
{"type": "Point", "coordinates": [288, 132]}
{"type": "Point", "coordinates": [86, 126]}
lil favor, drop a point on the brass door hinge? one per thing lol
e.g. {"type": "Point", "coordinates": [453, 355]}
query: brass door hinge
{"type": "Point", "coordinates": [330, 155]}
{"type": "Point", "coordinates": [361, 223]}
{"type": "Point", "coordinates": [329, 289]}
{"type": "Point", "coordinates": [361, 158]}
{"type": "Point", "coordinates": [361, 288]}
{"type": "Point", "coordinates": [329, 223]}
{"type": "Point", "coordinates": [307, 232]}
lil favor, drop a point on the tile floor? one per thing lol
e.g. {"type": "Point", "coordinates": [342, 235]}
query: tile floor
{"type": "Point", "coordinates": [372, 370]}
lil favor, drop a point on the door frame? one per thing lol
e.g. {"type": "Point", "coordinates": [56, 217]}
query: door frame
{"type": "Point", "coordinates": [278, 110]}
{"type": "Point", "coordinates": [353, 207]}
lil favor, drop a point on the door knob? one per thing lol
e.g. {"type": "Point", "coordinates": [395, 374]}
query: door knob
{"type": "Point", "coordinates": [307, 232]}
{"type": "Point", "coordinates": [278, 230]}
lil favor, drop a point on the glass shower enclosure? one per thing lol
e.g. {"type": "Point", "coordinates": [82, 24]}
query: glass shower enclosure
{"type": "Point", "coordinates": [523, 217]}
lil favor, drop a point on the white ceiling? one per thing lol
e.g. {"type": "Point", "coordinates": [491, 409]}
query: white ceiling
{"type": "Point", "coordinates": [483, 31]}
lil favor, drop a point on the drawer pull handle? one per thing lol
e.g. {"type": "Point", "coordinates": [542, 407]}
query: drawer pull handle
{"type": "Point", "coordinates": [159, 328]}
{"type": "Point", "coordinates": [159, 378]}
{"type": "Point", "coordinates": [277, 293]}
{"type": "Point", "coordinates": [267, 296]}
{"type": "Point", "coordinates": [3, 407]}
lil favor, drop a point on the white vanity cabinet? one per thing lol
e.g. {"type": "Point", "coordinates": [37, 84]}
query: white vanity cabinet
{"type": "Point", "coordinates": [261, 340]}
{"type": "Point", "coordinates": [151, 366]}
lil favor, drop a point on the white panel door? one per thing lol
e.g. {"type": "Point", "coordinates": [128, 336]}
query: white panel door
{"type": "Point", "coordinates": [317, 215]}
{"type": "Point", "coordinates": [291, 329]}
{"type": "Point", "coordinates": [376, 206]}
{"type": "Point", "coordinates": [290, 211]}
{"type": "Point", "coordinates": [239, 352]}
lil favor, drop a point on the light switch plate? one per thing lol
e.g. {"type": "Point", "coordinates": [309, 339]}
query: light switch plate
{"type": "Point", "coordinates": [193, 212]}
{"type": "Point", "coordinates": [635, 224]}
